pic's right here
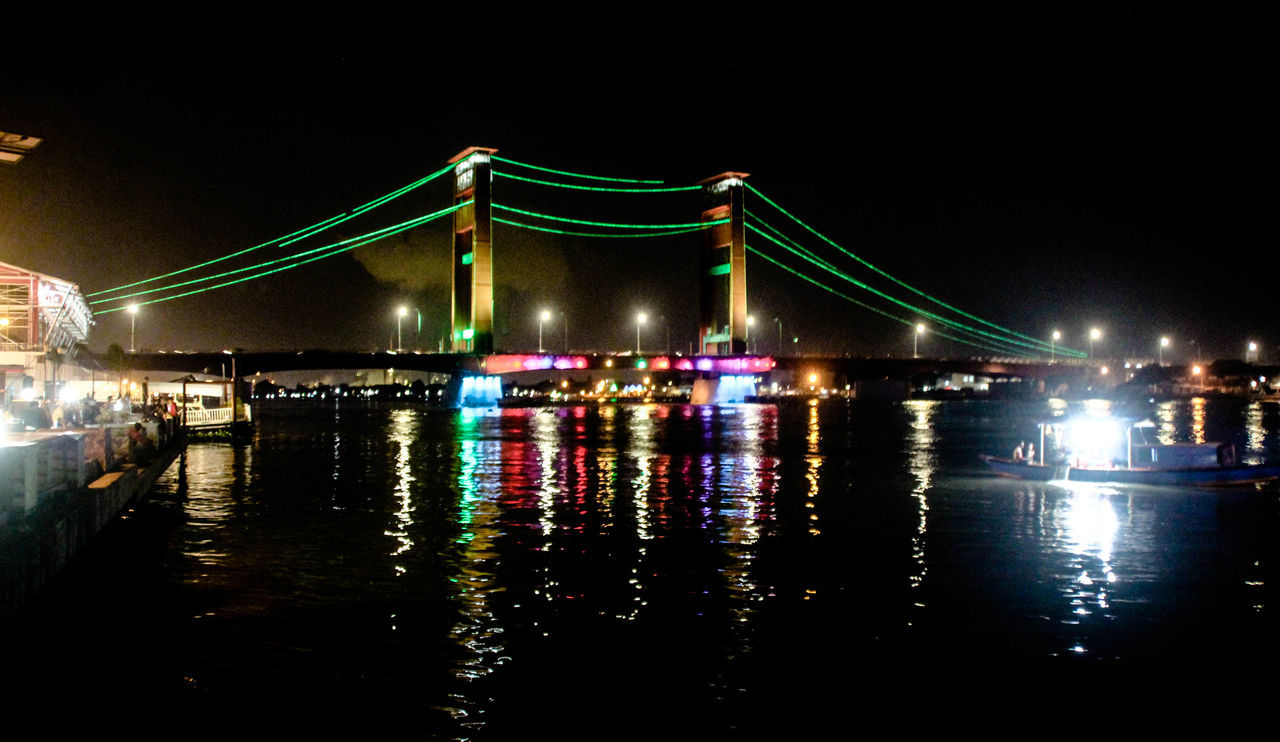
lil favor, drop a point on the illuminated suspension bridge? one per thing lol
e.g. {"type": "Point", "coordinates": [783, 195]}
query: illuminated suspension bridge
{"type": "Point", "coordinates": [777, 237]}
{"type": "Point", "coordinates": [727, 228]}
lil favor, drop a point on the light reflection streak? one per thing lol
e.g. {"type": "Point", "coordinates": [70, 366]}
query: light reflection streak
{"type": "Point", "coordinates": [1085, 528]}
{"type": "Point", "coordinates": [1197, 419]}
{"type": "Point", "coordinates": [479, 486]}
{"type": "Point", "coordinates": [747, 494]}
{"type": "Point", "coordinates": [545, 438]}
{"type": "Point", "coordinates": [404, 430]}
{"type": "Point", "coordinates": [1166, 424]}
{"type": "Point", "coordinates": [211, 501]}
{"type": "Point", "coordinates": [813, 460]}
{"type": "Point", "coordinates": [1255, 434]}
{"type": "Point", "coordinates": [921, 461]}
{"type": "Point", "coordinates": [642, 451]}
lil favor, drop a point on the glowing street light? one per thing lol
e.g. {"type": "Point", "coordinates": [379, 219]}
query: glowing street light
{"type": "Point", "coordinates": [546, 315]}
{"type": "Point", "coordinates": [133, 320]}
{"type": "Point", "coordinates": [1094, 335]}
{"type": "Point", "coordinates": [401, 313]}
{"type": "Point", "coordinates": [915, 340]}
{"type": "Point", "coordinates": [1164, 343]}
{"type": "Point", "coordinates": [1252, 353]}
{"type": "Point", "coordinates": [641, 318]}
{"type": "Point", "coordinates": [1053, 345]}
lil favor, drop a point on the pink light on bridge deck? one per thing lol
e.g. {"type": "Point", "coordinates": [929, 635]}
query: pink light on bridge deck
{"type": "Point", "coordinates": [752, 364]}
{"type": "Point", "coordinates": [504, 364]}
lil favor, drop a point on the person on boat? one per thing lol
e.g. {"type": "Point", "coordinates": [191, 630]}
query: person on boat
{"type": "Point", "coordinates": [1031, 453]}
{"type": "Point", "coordinates": [1018, 458]}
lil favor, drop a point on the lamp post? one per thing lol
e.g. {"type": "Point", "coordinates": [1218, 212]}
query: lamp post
{"type": "Point", "coordinates": [1053, 345]}
{"type": "Point", "coordinates": [641, 318]}
{"type": "Point", "coordinates": [915, 340]}
{"type": "Point", "coordinates": [133, 319]}
{"type": "Point", "coordinates": [779, 321]}
{"type": "Point", "coordinates": [401, 313]}
{"type": "Point", "coordinates": [1094, 334]}
{"type": "Point", "coordinates": [546, 315]}
{"type": "Point", "coordinates": [1252, 353]}
{"type": "Point", "coordinates": [1164, 343]}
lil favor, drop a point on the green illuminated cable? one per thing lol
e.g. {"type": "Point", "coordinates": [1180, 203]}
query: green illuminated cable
{"type": "Point", "coordinates": [663, 233]}
{"type": "Point", "coordinates": [336, 248]}
{"type": "Point", "coordinates": [808, 255]}
{"type": "Point", "coordinates": [608, 189]}
{"type": "Point", "coordinates": [876, 310]}
{"type": "Point", "coordinates": [292, 237]}
{"type": "Point", "coordinates": [572, 175]}
{"type": "Point", "coordinates": [905, 285]}
{"type": "Point", "coordinates": [931, 315]}
{"type": "Point", "coordinates": [1034, 343]}
{"type": "Point", "coordinates": [812, 257]}
{"type": "Point", "coordinates": [868, 307]}
{"type": "Point", "coordinates": [604, 224]}
{"type": "Point", "coordinates": [295, 256]}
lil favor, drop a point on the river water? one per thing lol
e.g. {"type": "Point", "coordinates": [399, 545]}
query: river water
{"type": "Point", "coordinates": [609, 572]}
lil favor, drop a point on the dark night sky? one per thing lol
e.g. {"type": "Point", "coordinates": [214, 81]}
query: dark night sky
{"type": "Point", "coordinates": [1038, 171]}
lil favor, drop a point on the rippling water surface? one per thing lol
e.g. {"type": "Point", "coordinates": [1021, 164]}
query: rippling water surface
{"type": "Point", "coordinates": [597, 572]}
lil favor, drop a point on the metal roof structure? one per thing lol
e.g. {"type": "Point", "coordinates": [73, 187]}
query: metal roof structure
{"type": "Point", "coordinates": [40, 313]}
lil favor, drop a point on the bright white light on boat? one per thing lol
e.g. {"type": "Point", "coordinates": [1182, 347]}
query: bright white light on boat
{"type": "Point", "coordinates": [1093, 433]}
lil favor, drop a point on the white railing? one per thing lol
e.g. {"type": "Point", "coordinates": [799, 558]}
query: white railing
{"type": "Point", "coordinates": [210, 418]}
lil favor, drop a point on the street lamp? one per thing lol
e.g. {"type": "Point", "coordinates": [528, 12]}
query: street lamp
{"type": "Point", "coordinates": [641, 318]}
{"type": "Point", "coordinates": [1252, 352]}
{"type": "Point", "coordinates": [542, 318]}
{"type": "Point", "coordinates": [779, 321]}
{"type": "Point", "coordinates": [133, 320]}
{"type": "Point", "coordinates": [915, 340]}
{"type": "Point", "coordinates": [1053, 345]}
{"type": "Point", "coordinates": [1164, 343]}
{"type": "Point", "coordinates": [401, 313]}
{"type": "Point", "coordinates": [1094, 334]}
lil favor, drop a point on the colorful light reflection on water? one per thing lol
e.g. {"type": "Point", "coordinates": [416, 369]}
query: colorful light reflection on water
{"type": "Point", "coordinates": [613, 568]}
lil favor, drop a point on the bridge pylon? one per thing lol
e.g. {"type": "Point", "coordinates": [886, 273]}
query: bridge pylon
{"type": "Point", "coordinates": [722, 316]}
{"type": "Point", "coordinates": [471, 328]}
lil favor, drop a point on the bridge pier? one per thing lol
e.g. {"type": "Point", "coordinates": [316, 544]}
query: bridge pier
{"type": "Point", "coordinates": [465, 390]}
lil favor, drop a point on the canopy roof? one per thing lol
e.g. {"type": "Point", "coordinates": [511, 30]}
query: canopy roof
{"type": "Point", "coordinates": [40, 313]}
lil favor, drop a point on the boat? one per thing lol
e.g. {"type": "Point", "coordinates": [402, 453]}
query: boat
{"type": "Point", "coordinates": [1115, 451]}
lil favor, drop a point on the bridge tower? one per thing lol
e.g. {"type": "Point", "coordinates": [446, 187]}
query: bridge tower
{"type": "Point", "coordinates": [722, 317]}
{"type": "Point", "coordinates": [472, 318]}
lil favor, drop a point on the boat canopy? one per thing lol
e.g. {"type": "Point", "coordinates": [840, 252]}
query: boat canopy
{"type": "Point", "coordinates": [1103, 441]}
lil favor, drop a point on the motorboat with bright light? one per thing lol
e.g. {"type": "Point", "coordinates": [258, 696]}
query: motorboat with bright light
{"type": "Point", "coordinates": [1120, 451]}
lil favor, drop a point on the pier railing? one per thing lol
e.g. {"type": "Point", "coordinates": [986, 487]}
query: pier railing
{"type": "Point", "coordinates": [215, 417]}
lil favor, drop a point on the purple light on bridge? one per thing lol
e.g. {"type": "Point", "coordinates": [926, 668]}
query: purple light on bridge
{"type": "Point", "coordinates": [502, 364]}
